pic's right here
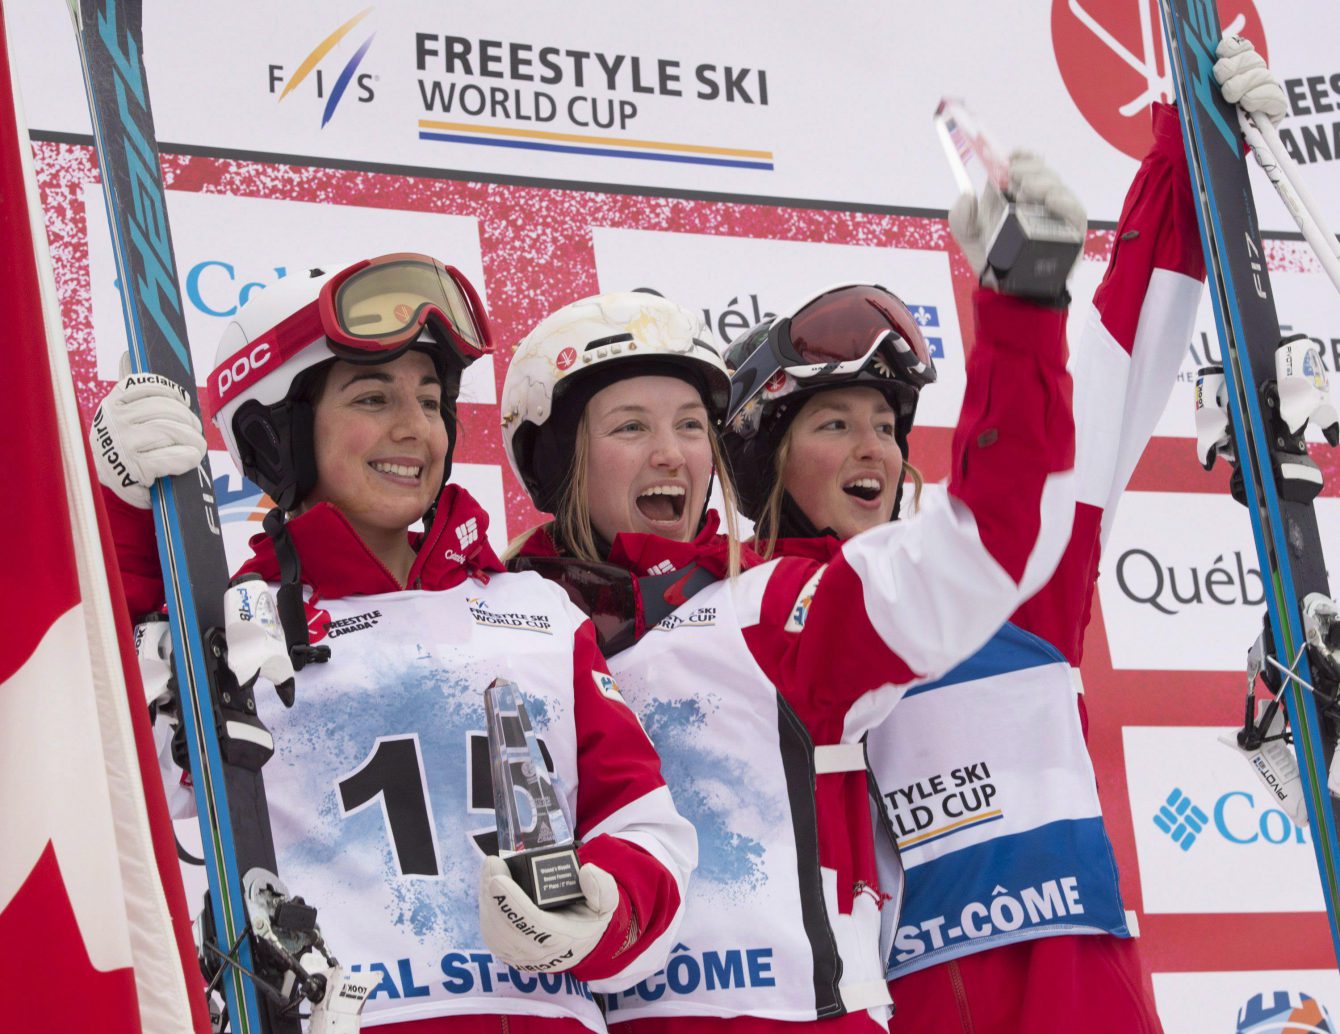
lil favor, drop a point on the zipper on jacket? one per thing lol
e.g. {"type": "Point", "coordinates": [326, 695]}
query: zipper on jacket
{"type": "Point", "coordinates": [960, 997]}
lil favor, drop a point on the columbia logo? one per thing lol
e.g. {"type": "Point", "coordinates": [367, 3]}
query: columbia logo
{"type": "Point", "coordinates": [664, 567]}
{"type": "Point", "coordinates": [1181, 819]}
{"type": "Point", "coordinates": [468, 533]}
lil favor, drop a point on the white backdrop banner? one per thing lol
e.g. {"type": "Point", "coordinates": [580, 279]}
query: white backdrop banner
{"type": "Point", "coordinates": [757, 98]}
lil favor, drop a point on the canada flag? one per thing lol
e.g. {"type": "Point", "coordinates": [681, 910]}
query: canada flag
{"type": "Point", "coordinates": [94, 931]}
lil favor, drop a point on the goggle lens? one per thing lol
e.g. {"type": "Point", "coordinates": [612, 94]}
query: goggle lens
{"type": "Point", "coordinates": [384, 302]}
{"type": "Point", "coordinates": [849, 323]}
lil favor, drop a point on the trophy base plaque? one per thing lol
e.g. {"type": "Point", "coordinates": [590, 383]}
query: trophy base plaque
{"type": "Point", "coordinates": [547, 874]}
{"type": "Point", "coordinates": [1032, 252]}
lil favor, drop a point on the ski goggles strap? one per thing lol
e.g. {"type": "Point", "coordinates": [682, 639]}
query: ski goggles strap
{"type": "Point", "coordinates": [381, 305]}
{"type": "Point", "coordinates": [368, 313]}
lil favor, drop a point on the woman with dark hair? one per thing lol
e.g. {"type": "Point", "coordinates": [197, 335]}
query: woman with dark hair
{"type": "Point", "coordinates": [335, 391]}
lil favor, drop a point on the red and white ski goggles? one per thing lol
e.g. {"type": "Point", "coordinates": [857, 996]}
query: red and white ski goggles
{"type": "Point", "coordinates": [370, 312]}
{"type": "Point", "coordinates": [835, 336]}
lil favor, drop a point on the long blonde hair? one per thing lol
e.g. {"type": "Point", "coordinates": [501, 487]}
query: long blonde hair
{"type": "Point", "coordinates": [571, 529]}
{"type": "Point", "coordinates": [768, 526]}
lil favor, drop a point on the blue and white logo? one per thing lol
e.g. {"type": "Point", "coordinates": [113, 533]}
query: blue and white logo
{"type": "Point", "coordinates": [929, 316]}
{"type": "Point", "coordinates": [1181, 819]}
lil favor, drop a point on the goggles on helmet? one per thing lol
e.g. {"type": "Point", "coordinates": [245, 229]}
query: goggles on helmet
{"type": "Point", "coordinates": [370, 312]}
{"type": "Point", "coordinates": [838, 334]}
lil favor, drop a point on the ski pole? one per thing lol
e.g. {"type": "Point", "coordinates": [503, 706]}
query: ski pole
{"type": "Point", "coordinates": [1264, 140]}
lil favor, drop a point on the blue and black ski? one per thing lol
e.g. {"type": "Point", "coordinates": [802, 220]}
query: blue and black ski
{"type": "Point", "coordinates": [226, 743]}
{"type": "Point", "coordinates": [1274, 478]}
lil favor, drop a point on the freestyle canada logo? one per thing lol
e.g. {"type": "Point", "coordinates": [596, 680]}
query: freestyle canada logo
{"type": "Point", "coordinates": [1284, 1012]}
{"type": "Point", "coordinates": [1314, 103]}
{"type": "Point", "coordinates": [331, 90]}
{"type": "Point", "coordinates": [1111, 57]}
{"type": "Point", "coordinates": [550, 96]}
{"type": "Point", "coordinates": [357, 623]}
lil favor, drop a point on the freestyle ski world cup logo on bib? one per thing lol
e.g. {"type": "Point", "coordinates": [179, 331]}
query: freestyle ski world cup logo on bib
{"type": "Point", "coordinates": [332, 91]}
{"type": "Point", "coordinates": [1110, 54]}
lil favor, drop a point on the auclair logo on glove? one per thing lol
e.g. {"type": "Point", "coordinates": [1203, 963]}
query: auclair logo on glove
{"type": "Point", "coordinates": [516, 919]}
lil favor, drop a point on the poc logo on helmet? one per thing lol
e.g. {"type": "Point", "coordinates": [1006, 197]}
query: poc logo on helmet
{"type": "Point", "coordinates": [242, 367]}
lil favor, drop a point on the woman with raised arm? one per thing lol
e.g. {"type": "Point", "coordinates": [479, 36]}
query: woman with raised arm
{"type": "Point", "coordinates": [990, 830]}
{"type": "Point", "coordinates": [757, 687]}
{"type": "Point", "coordinates": [335, 391]}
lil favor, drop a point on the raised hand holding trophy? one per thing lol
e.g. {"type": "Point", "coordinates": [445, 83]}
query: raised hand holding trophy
{"type": "Point", "coordinates": [535, 838]}
{"type": "Point", "coordinates": [1029, 250]}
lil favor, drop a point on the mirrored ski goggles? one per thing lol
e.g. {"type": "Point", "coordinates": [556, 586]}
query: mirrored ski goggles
{"type": "Point", "coordinates": [370, 312]}
{"type": "Point", "coordinates": [381, 305]}
{"type": "Point", "coordinates": [837, 335]}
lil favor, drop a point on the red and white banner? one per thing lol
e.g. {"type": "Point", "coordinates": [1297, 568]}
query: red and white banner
{"type": "Point", "coordinates": [94, 932]}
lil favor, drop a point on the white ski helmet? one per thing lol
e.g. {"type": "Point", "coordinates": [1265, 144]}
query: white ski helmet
{"type": "Point", "coordinates": [368, 312]}
{"type": "Point", "coordinates": [583, 347]}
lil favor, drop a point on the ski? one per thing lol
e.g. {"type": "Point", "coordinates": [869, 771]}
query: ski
{"type": "Point", "coordinates": [226, 743]}
{"type": "Point", "coordinates": [1271, 387]}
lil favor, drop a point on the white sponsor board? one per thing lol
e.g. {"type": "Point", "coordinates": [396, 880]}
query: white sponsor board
{"type": "Point", "coordinates": [1204, 823]}
{"type": "Point", "coordinates": [1305, 301]}
{"type": "Point", "coordinates": [229, 247]}
{"type": "Point", "coordinates": [242, 506]}
{"type": "Point", "coordinates": [734, 281]}
{"type": "Point", "coordinates": [1249, 1002]}
{"type": "Point", "coordinates": [753, 98]}
{"type": "Point", "coordinates": [1180, 585]}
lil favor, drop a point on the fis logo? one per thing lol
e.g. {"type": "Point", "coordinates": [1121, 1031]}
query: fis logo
{"type": "Point", "coordinates": [1111, 57]}
{"type": "Point", "coordinates": [1284, 1012]}
{"type": "Point", "coordinates": [335, 91]}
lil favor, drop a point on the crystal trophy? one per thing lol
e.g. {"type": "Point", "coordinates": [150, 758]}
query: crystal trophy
{"type": "Point", "coordinates": [1030, 251]}
{"type": "Point", "coordinates": [534, 835]}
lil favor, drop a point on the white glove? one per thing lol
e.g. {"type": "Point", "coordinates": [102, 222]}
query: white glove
{"type": "Point", "coordinates": [1245, 80]}
{"type": "Point", "coordinates": [144, 429]}
{"type": "Point", "coordinates": [256, 644]}
{"type": "Point", "coordinates": [1031, 182]}
{"type": "Point", "coordinates": [528, 938]}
